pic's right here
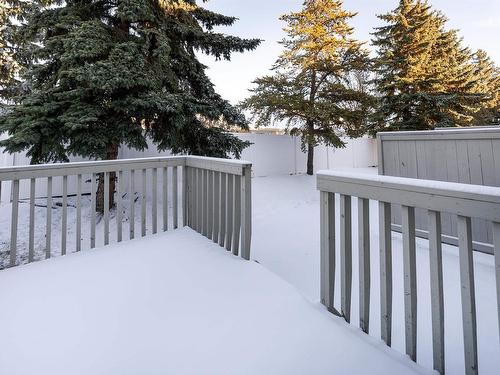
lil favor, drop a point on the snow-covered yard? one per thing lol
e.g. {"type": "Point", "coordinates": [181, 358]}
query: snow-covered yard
{"type": "Point", "coordinates": [176, 301]}
{"type": "Point", "coordinates": [286, 240]}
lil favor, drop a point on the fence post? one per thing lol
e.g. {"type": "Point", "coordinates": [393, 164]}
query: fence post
{"type": "Point", "coordinates": [246, 211]}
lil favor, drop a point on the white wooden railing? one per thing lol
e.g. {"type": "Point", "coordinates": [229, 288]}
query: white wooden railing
{"type": "Point", "coordinates": [462, 200]}
{"type": "Point", "coordinates": [213, 196]}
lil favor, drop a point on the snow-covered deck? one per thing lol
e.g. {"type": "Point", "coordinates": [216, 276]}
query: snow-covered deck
{"type": "Point", "coordinates": [173, 303]}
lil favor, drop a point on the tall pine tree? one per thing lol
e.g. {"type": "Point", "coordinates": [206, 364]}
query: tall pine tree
{"type": "Point", "coordinates": [10, 13]}
{"type": "Point", "coordinates": [319, 84]}
{"type": "Point", "coordinates": [113, 72]}
{"type": "Point", "coordinates": [425, 77]}
{"type": "Point", "coordinates": [488, 84]}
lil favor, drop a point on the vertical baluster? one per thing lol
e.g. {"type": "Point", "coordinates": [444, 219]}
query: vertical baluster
{"type": "Point", "coordinates": [132, 203]}
{"type": "Point", "coordinates": [48, 225]}
{"type": "Point", "coordinates": [31, 246]}
{"type": "Point", "coordinates": [119, 206]}
{"type": "Point", "coordinates": [437, 303]}
{"type": "Point", "coordinates": [246, 212]}
{"type": "Point", "coordinates": [210, 205]}
{"type": "Point", "coordinates": [345, 256]}
{"type": "Point", "coordinates": [223, 190]}
{"type": "Point", "coordinates": [185, 196]}
{"type": "Point", "coordinates": [364, 263]}
{"type": "Point", "coordinates": [193, 202]}
{"type": "Point", "coordinates": [385, 272]}
{"type": "Point", "coordinates": [79, 213]}
{"type": "Point", "coordinates": [204, 204]}
{"type": "Point", "coordinates": [175, 197]}
{"type": "Point", "coordinates": [199, 187]}
{"type": "Point", "coordinates": [327, 233]}
{"type": "Point", "coordinates": [496, 249]}
{"type": "Point", "coordinates": [64, 223]}
{"type": "Point", "coordinates": [165, 198]}
{"type": "Point", "coordinates": [192, 197]}
{"type": "Point", "coordinates": [216, 207]}
{"type": "Point", "coordinates": [468, 293]}
{"type": "Point", "coordinates": [410, 280]}
{"type": "Point", "coordinates": [106, 176]}
{"type": "Point", "coordinates": [237, 214]}
{"type": "Point", "coordinates": [229, 212]}
{"type": "Point", "coordinates": [143, 204]}
{"type": "Point", "coordinates": [154, 201]}
{"type": "Point", "coordinates": [92, 209]}
{"type": "Point", "coordinates": [13, 222]}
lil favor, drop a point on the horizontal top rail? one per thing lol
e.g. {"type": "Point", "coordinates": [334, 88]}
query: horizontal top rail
{"type": "Point", "coordinates": [456, 198]}
{"type": "Point", "coordinates": [481, 132]}
{"type": "Point", "coordinates": [230, 166]}
{"type": "Point", "coordinates": [87, 167]}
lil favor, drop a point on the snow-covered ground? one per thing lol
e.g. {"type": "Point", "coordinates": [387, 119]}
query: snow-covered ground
{"type": "Point", "coordinates": [173, 303]}
{"type": "Point", "coordinates": [286, 242]}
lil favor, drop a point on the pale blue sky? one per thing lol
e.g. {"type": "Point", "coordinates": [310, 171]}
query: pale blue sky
{"type": "Point", "coordinates": [478, 21]}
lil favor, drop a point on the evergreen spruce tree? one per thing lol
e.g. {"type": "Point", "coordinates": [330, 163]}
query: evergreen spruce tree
{"type": "Point", "coordinates": [425, 77]}
{"type": "Point", "coordinates": [319, 83]}
{"type": "Point", "coordinates": [10, 12]}
{"type": "Point", "coordinates": [108, 73]}
{"type": "Point", "coordinates": [488, 84]}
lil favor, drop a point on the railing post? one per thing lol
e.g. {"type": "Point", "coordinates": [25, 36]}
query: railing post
{"type": "Point", "coordinates": [246, 212]}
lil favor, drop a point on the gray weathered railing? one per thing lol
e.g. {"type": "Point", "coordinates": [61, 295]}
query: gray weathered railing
{"type": "Point", "coordinates": [219, 195]}
{"type": "Point", "coordinates": [462, 200]}
{"type": "Point", "coordinates": [233, 203]}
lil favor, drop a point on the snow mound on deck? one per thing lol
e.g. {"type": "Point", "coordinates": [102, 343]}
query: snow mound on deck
{"type": "Point", "coordinates": [173, 303]}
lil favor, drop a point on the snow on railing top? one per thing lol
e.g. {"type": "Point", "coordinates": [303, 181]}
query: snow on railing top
{"type": "Point", "coordinates": [461, 199]}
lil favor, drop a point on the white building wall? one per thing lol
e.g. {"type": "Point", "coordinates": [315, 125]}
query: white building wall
{"type": "Point", "coordinates": [282, 154]}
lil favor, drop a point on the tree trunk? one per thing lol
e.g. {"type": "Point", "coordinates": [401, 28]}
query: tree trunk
{"type": "Point", "coordinates": [310, 127]}
{"type": "Point", "coordinates": [310, 159]}
{"type": "Point", "coordinates": [111, 154]}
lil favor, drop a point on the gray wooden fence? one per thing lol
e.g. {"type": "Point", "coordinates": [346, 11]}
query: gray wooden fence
{"type": "Point", "coordinates": [462, 201]}
{"type": "Point", "coordinates": [466, 155]}
{"type": "Point", "coordinates": [212, 196]}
